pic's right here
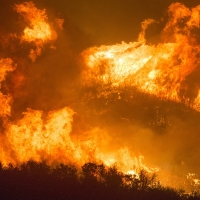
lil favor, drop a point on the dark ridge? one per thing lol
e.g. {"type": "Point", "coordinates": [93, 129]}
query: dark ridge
{"type": "Point", "coordinates": [33, 180]}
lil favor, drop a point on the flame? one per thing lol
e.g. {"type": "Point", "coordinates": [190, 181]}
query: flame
{"type": "Point", "coordinates": [6, 65]}
{"type": "Point", "coordinates": [161, 70]}
{"type": "Point", "coordinates": [192, 178]}
{"type": "Point", "coordinates": [39, 30]}
{"type": "Point", "coordinates": [48, 136]}
{"type": "Point", "coordinates": [38, 137]}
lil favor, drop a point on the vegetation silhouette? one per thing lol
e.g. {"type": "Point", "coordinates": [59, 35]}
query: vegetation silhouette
{"type": "Point", "coordinates": [34, 180]}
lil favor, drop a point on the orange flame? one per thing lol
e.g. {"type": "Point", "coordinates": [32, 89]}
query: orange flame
{"type": "Point", "coordinates": [161, 69]}
{"type": "Point", "coordinates": [39, 30]}
{"type": "Point", "coordinates": [39, 136]}
{"type": "Point", "coordinates": [5, 100]}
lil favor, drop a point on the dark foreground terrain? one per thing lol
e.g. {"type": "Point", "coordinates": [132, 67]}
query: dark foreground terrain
{"type": "Point", "coordinates": [39, 181]}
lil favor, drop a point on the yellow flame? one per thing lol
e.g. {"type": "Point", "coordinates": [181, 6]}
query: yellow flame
{"type": "Point", "coordinates": [159, 69]}
{"type": "Point", "coordinates": [38, 137]}
{"type": "Point", "coordinates": [155, 69]}
{"type": "Point", "coordinates": [39, 30]}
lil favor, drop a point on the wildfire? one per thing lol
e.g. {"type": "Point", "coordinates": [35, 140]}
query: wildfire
{"type": "Point", "coordinates": [6, 66]}
{"type": "Point", "coordinates": [39, 30]}
{"type": "Point", "coordinates": [162, 70]}
{"type": "Point", "coordinates": [37, 137]}
{"type": "Point", "coordinates": [42, 136]}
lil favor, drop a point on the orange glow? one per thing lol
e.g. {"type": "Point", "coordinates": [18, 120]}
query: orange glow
{"type": "Point", "coordinates": [39, 30]}
{"type": "Point", "coordinates": [60, 23]}
{"type": "Point", "coordinates": [161, 69]}
{"type": "Point", "coordinates": [38, 137]}
{"type": "Point", "coordinates": [47, 136]}
{"type": "Point", "coordinates": [6, 65]}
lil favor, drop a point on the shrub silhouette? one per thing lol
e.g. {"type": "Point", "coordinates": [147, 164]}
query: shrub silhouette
{"type": "Point", "coordinates": [33, 180]}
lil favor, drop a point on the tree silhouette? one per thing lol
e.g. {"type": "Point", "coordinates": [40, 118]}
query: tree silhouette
{"type": "Point", "coordinates": [34, 180]}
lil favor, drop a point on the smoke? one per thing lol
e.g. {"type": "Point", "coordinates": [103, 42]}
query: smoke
{"type": "Point", "coordinates": [51, 81]}
{"type": "Point", "coordinates": [162, 126]}
{"type": "Point", "coordinates": [164, 131]}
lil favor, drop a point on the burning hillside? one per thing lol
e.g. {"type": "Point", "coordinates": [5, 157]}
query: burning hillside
{"type": "Point", "coordinates": [166, 70]}
{"type": "Point", "coordinates": [112, 104]}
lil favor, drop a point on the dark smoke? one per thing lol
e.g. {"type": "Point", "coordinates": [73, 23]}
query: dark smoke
{"type": "Point", "coordinates": [165, 132]}
{"type": "Point", "coordinates": [51, 82]}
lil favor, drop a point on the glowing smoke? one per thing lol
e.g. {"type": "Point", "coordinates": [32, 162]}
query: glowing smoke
{"type": "Point", "coordinates": [117, 101]}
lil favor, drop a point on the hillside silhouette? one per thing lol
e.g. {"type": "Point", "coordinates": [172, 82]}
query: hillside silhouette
{"type": "Point", "coordinates": [34, 180]}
